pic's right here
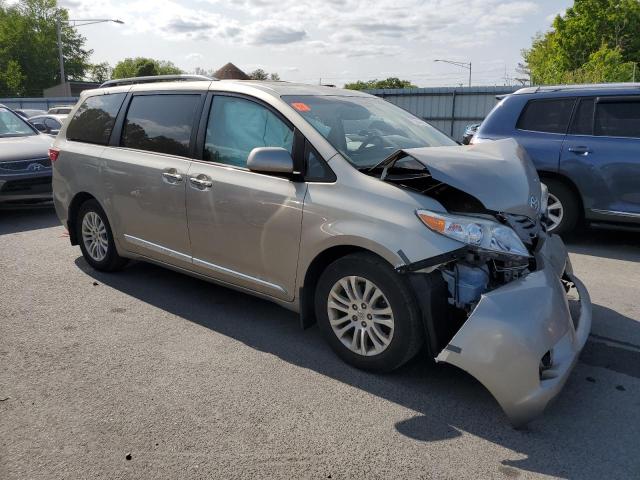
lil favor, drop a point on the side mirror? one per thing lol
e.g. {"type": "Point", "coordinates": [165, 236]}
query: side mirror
{"type": "Point", "coordinates": [270, 160]}
{"type": "Point", "coordinates": [40, 127]}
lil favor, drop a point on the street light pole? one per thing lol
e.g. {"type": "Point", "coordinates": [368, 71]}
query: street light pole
{"type": "Point", "coordinates": [458, 64]}
{"type": "Point", "coordinates": [63, 78]}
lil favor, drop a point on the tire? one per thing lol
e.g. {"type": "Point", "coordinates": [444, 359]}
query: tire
{"type": "Point", "coordinates": [403, 340]}
{"type": "Point", "coordinates": [560, 194]}
{"type": "Point", "coordinates": [100, 252]}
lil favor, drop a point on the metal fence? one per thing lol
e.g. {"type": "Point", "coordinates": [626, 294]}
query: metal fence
{"type": "Point", "coordinates": [37, 103]}
{"type": "Point", "coordinates": [449, 109]}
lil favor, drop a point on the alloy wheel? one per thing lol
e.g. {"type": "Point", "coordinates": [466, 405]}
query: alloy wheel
{"type": "Point", "coordinates": [360, 315]}
{"type": "Point", "coordinates": [555, 212]}
{"type": "Point", "coordinates": [94, 236]}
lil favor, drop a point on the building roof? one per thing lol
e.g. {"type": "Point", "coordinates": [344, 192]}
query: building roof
{"type": "Point", "coordinates": [230, 72]}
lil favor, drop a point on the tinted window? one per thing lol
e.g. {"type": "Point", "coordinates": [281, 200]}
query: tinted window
{"type": "Point", "coordinates": [550, 116]}
{"type": "Point", "coordinates": [94, 119]}
{"type": "Point", "coordinates": [52, 123]}
{"type": "Point", "coordinates": [237, 126]}
{"type": "Point", "coordinates": [583, 119]}
{"type": "Point", "coordinates": [618, 119]}
{"type": "Point", "coordinates": [317, 169]}
{"type": "Point", "coordinates": [160, 123]}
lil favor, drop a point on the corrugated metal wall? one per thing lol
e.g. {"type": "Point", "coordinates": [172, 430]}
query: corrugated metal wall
{"type": "Point", "coordinates": [37, 103]}
{"type": "Point", "coordinates": [449, 109]}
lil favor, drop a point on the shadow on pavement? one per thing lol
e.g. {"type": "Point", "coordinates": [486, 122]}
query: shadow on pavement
{"type": "Point", "coordinates": [23, 218]}
{"type": "Point", "coordinates": [614, 244]}
{"type": "Point", "coordinates": [566, 441]}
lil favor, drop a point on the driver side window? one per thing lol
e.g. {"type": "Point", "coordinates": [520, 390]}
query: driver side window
{"type": "Point", "coordinates": [236, 126]}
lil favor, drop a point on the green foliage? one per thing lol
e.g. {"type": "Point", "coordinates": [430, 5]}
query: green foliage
{"type": "Point", "coordinates": [141, 67]}
{"type": "Point", "coordinates": [99, 72]}
{"type": "Point", "coordinates": [391, 82]}
{"type": "Point", "coordinates": [594, 41]}
{"type": "Point", "coordinates": [260, 74]}
{"type": "Point", "coordinates": [29, 49]}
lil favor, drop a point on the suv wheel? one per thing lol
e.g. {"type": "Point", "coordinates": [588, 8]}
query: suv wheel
{"type": "Point", "coordinates": [96, 240]}
{"type": "Point", "coordinates": [367, 313]}
{"type": "Point", "coordinates": [563, 208]}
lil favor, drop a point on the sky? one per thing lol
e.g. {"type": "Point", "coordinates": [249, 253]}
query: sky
{"type": "Point", "coordinates": [333, 41]}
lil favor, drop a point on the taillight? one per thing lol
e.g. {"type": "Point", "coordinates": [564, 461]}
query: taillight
{"type": "Point", "coordinates": [53, 154]}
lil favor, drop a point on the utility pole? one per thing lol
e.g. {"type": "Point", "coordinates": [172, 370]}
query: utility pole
{"type": "Point", "coordinates": [634, 71]}
{"type": "Point", "coordinates": [61, 58]}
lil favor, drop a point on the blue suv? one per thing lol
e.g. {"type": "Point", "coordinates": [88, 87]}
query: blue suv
{"type": "Point", "coordinates": [585, 143]}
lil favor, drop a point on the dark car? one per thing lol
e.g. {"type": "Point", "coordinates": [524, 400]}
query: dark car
{"type": "Point", "coordinates": [49, 124]}
{"type": "Point", "coordinates": [585, 143]}
{"type": "Point", "coordinates": [25, 168]}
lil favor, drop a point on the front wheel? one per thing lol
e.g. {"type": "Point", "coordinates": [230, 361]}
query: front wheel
{"type": "Point", "coordinates": [367, 313]}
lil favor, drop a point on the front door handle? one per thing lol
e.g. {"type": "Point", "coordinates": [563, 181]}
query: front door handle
{"type": "Point", "coordinates": [171, 176]}
{"type": "Point", "coordinates": [580, 150]}
{"type": "Point", "coordinates": [201, 182]}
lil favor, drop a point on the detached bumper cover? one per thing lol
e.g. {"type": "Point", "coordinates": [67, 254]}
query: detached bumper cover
{"type": "Point", "coordinates": [504, 339]}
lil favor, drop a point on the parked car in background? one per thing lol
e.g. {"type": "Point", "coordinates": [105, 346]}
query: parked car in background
{"type": "Point", "coordinates": [340, 206]}
{"type": "Point", "coordinates": [49, 124]}
{"type": "Point", "coordinates": [28, 113]}
{"type": "Point", "coordinates": [60, 110]}
{"type": "Point", "coordinates": [585, 143]}
{"type": "Point", "coordinates": [469, 132]}
{"type": "Point", "coordinates": [25, 168]}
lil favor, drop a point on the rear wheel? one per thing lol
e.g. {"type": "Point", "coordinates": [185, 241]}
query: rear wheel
{"type": "Point", "coordinates": [367, 313]}
{"type": "Point", "coordinates": [563, 208]}
{"type": "Point", "coordinates": [96, 240]}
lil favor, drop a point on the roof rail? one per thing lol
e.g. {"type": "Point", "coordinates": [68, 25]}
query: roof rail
{"type": "Point", "coordinates": [583, 86]}
{"type": "Point", "coordinates": [155, 78]}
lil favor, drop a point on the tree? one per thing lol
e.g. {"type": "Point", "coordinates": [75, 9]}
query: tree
{"type": "Point", "coordinates": [142, 66]}
{"type": "Point", "coordinates": [29, 49]}
{"type": "Point", "coordinates": [391, 82]}
{"type": "Point", "coordinates": [99, 72]}
{"type": "Point", "coordinates": [565, 53]}
{"type": "Point", "coordinates": [260, 74]}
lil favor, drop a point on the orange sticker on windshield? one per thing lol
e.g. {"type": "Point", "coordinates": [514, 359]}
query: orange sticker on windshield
{"type": "Point", "coordinates": [301, 107]}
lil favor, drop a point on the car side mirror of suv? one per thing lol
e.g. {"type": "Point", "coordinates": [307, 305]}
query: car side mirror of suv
{"type": "Point", "coordinates": [40, 127]}
{"type": "Point", "coordinates": [274, 160]}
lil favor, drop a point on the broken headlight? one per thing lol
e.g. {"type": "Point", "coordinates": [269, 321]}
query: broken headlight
{"type": "Point", "coordinates": [481, 233]}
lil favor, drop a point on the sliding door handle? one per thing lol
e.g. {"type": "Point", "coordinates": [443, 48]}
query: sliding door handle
{"type": "Point", "coordinates": [201, 182]}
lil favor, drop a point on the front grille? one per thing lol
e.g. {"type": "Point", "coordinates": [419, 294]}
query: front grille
{"type": "Point", "coordinates": [27, 185]}
{"type": "Point", "coordinates": [25, 166]}
{"type": "Point", "coordinates": [526, 228]}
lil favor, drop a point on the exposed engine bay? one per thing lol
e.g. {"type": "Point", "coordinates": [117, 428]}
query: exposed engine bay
{"type": "Point", "coordinates": [466, 274]}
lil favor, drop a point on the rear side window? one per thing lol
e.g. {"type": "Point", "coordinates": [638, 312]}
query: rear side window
{"type": "Point", "coordinates": [94, 119]}
{"type": "Point", "coordinates": [583, 119]}
{"type": "Point", "coordinates": [551, 116]}
{"type": "Point", "coordinates": [160, 123]}
{"type": "Point", "coordinates": [618, 119]}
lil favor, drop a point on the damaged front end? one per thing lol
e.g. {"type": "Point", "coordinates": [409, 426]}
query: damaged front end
{"type": "Point", "coordinates": [498, 306]}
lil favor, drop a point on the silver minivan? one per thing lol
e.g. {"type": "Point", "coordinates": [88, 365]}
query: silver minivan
{"type": "Point", "coordinates": [337, 205]}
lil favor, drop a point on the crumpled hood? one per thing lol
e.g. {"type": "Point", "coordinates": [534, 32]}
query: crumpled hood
{"type": "Point", "coordinates": [24, 148]}
{"type": "Point", "coordinates": [499, 174]}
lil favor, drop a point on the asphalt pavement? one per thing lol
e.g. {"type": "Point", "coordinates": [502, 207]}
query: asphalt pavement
{"type": "Point", "coordinates": [148, 373]}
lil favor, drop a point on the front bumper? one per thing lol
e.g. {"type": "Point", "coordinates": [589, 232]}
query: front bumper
{"type": "Point", "coordinates": [505, 338]}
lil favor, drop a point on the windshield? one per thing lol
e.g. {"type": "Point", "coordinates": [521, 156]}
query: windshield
{"type": "Point", "coordinates": [11, 125]}
{"type": "Point", "coordinates": [366, 130]}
